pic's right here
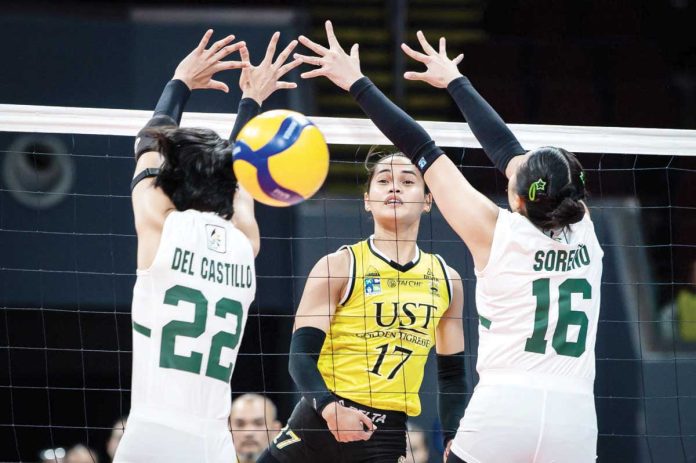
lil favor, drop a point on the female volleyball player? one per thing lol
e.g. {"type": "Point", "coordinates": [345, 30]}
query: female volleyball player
{"type": "Point", "coordinates": [197, 240]}
{"type": "Point", "coordinates": [368, 317]}
{"type": "Point", "coordinates": [539, 269]}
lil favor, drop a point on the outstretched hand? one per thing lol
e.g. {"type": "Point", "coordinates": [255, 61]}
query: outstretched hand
{"type": "Point", "coordinates": [198, 68]}
{"type": "Point", "coordinates": [334, 63]}
{"type": "Point", "coordinates": [259, 82]}
{"type": "Point", "coordinates": [440, 69]}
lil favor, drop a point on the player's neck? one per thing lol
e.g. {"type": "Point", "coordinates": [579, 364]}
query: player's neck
{"type": "Point", "coordinates": [399, 245]}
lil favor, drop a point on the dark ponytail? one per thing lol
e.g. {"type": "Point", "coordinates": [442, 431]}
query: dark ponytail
{"type": "Point", "coordinates": [197, 170]}
{"type": "Point", "coordinates": [552, 184]}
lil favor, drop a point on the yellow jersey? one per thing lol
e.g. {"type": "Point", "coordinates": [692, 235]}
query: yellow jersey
{"type": "Point", "coordinates": [686, 315]}
{"type": "Point", "coordinates": [384, 327]}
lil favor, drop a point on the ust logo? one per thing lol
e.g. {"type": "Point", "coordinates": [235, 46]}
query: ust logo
{"type": "Point", "coordinates": [216, 238]}
{"type": "Point", "coordinates": [373, 282]}
{"type": "Point", "coordinates": [404, 315]}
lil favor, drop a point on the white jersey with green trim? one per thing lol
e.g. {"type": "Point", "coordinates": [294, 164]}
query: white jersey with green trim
{"type": "Point", "coordinates": [189, 312]}
{"type": "Point", "coordinates": [538, 300]}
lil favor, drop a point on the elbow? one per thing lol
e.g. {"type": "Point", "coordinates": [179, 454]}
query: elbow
{"type": "Point", "coordinates": [256, 246]}
{"type": "Point", "coordinates": [292, 367]}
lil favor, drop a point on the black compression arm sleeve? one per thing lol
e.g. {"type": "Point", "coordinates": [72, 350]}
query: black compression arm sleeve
{"type": "Point", "coordinates": [144, 141]}
{"type": "Point", "coordinates": [304, 354]}
{"type": "Point", "coordinates": [173, 99]}
{"type": "Point", "coordinates": [248, 109]}
{"type": "Point", "coordinates": [167, 114]}
{"type": "Point", "coordinates": [451, 382]}
{"type": "Point", "coordinates": [488, 127]}
{"type": "Point", "coordinates": [395, 124]}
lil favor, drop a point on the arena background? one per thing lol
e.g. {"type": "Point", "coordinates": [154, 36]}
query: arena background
{"type": "Point", "coordinates": [66, 336]}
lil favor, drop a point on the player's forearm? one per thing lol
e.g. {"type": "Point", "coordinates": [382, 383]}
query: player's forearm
{"type": "Point", "coordinates": [248, 109]}
{"type": "Point", "coordinates": [488, 127]}
{"type": "Point", "coordinates": [451, 380]}
{"type": "Point", "coordinates": [245, 221]}
{"type": "Point", "coordinates": [404, 132]}
{"type": "Point", "coordinates": [173, 100]}
{"type": "Point", "coordinates": [167, 114]}
{"type": "Point", "coordinates": [305, 348]}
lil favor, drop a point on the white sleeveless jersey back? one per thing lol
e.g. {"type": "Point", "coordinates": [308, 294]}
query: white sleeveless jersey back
{"type": "Point", "coordinates": [189, 312]}
{"type": "Point", "coordinates": [538, 300]}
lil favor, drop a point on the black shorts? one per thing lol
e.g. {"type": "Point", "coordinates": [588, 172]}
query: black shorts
{"type": "Point", "coordinates": [306, 438]}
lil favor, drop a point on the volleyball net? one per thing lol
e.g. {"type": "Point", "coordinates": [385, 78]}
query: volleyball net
{"type": "Point", "coordinates": [68, 269]}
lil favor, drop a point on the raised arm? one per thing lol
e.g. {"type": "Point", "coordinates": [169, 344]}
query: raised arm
{"type": "Point", "coordinates": [244, 218]}
{"type": "Point", "coordinates": [488, 127]}
{"type": "Point", "coordinates": [195, 71]}
{"type": "Point", "coordinates": [257, 84]}
{"type": "Point", "coordinates": [469, 213]}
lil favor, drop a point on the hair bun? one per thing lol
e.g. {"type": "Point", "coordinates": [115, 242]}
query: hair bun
{"type": "Point", "coordinates": [568, 211]}
{"type": "Point", "coordinates": [570, 191]}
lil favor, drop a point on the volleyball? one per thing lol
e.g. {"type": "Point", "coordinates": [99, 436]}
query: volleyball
{"type": "Point", "coordinates": [280, 158]}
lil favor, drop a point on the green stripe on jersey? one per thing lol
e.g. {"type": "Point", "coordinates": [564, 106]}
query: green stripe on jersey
{"type": "Point", "coordinates": [144, 330]}
{"type": "Point", "coordinates": [485, 322]}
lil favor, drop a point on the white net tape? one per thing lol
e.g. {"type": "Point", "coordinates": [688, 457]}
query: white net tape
{"type": "Point", "coordinates": [341, 131]}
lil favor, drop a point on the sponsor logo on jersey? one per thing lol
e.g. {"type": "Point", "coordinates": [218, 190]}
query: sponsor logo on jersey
{"type": "Point", "coordinates": [375, 417]}
{"type": "Point", "coordinates": [434, 282]}
{"type": "Point", "coordinates": [393, 283]}
{"type": "Point", "coordinates": [216, 238]}
{"type": "Point", "coordinates": [373, 282]}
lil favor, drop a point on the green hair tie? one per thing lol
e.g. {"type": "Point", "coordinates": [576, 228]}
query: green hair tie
{"type": "Point", "coordinates": [582, 178]}
{"type": "Point", "coordinates": [539, 185]}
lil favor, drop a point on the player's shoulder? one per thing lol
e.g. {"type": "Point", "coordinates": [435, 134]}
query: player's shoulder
{"type": "Point", "coordinates": [452, 273]}
{"type": "Point", "coordinates": [334, 264]}
{"type": "Point", "coordinates": [440, 261]}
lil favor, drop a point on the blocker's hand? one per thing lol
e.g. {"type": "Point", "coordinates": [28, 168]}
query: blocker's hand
{"type": "Point", "coordinates": [259, 82]}
{"type": "Point", "coordinates": [440, 69]}
{"type": "Point", "coordinates": [334, 64]}
{"type": "Point", "coordinates": [347, 424]}
{"type": "Point", "coordinates": [198, 68]}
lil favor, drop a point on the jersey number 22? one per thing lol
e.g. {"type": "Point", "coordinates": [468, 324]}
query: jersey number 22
{"type": "Point", "coordinates": [192, 363]}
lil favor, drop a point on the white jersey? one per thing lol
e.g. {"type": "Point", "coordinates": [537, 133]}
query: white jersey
{"type": "Point", "coordinates": [538, 301]}
{"type": "Point", "coordinates": [189, 313]}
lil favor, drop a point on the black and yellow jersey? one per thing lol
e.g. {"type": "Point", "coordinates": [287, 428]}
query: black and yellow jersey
{"type": "Point", "coordinates": [384, 326]}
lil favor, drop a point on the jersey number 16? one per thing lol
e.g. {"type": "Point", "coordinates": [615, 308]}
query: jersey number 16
{"type": "Point", "coordinates": [566, 317]}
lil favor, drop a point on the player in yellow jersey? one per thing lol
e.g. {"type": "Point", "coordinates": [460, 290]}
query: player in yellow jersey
{"type": "Point", "coordinates": [368, 317]}
{"type": "Point", "coordinates": [538, 268]}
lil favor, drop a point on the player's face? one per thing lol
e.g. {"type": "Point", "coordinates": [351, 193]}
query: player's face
{"type": "Point", "coordinates": [397, 192]}
{"type": "Point", "coordinates": [250, 429]}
